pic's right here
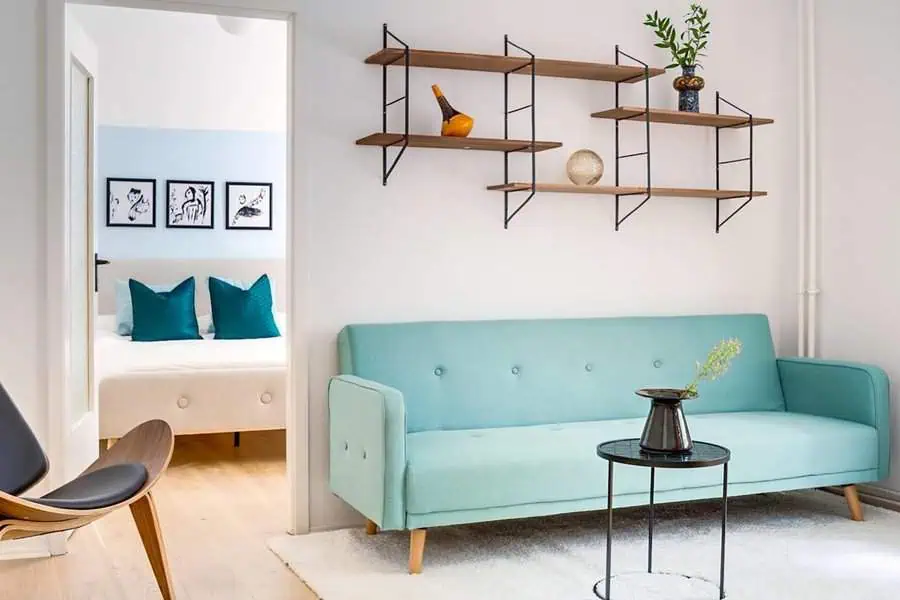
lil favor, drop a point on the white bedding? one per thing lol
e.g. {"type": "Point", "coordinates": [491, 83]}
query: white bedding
{"type": "Point", "coordinates": [197, 386]}
{"type": "Point", "coordinates": [115, 354]}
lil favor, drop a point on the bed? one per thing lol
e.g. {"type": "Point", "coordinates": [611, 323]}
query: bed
{"type": "Point", "coordinates": [200, 386]}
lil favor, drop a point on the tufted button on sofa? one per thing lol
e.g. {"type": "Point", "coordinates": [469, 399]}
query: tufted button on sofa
{"type": "Point", "coordinates": [479, 421]}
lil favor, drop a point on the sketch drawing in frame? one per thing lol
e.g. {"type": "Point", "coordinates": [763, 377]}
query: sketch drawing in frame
{"type": "Point", "coordinates": [190, 204]}
{"type": "Point", "coordinates": [130, 202]}
{"type": "Point", "coordinates": [248, 205]}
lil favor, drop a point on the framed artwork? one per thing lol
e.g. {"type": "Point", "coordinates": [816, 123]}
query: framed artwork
{"type": "Point", "coordinates": [190, 204]}
{"type": "Point", "coordinates": [130, 202]}
{"type": "Point", "coordinates": [248, 205]}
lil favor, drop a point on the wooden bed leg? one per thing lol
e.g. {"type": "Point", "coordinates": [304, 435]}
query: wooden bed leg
{"type": "Point", "coordinates": [110, 442]}
{"type": "Point", "coordinates": [144, 513]}
{"type": "Point", "coordinates": [237, 439]}
{"type": "Point", "coordinates": [371, 528]}
{"type": "Point", "coordinates": [416, 550]}
{"type": "Point", "coordinates": [852, 496]}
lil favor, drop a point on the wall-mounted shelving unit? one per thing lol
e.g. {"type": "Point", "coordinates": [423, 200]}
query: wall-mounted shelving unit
{"type": "Point", "coordinates": [615, 73]}
{"type": "Point", "coordinates": [527, 64]}
{"type": "Point", "coordinates": [456, 143]}
{"type": "Point", "coordinates": [675, 117]}
{"type": "Point", "coordinates": [407, 58]}
{"type": "Point", "coordinates": [625, 190]}
{"type": "Point", "coordinates": [647, 115]}
{"type": "Point", "coordinates": [494, 63]}
{"type": "Point", "coordinates": [717, 120]}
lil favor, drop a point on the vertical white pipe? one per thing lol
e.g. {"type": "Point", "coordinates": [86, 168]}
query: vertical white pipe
{"type": "Point", "coordinates": [804, 63]}
{"type": "Point", "coordinates": [812, 291]}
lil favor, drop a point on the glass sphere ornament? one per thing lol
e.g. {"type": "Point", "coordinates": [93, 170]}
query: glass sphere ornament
{"type": "Point", "coordinates": [584, 167]}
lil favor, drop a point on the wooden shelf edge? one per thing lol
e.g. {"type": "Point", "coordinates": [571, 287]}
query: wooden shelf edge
{"type": "Point", "coordinates": [610, 190]}
{"type": "Point", "coordinates": [456, 143]}
{"type": "Point", "coordinates": [495, 63]}
{"type": "Point", "coordinates": [674, 117]}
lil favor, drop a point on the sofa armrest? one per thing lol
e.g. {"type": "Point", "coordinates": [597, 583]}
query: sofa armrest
{"type": "Point", "coordinates": [842, 390]}
{"type": "Point", "coordinates": [367, 446]}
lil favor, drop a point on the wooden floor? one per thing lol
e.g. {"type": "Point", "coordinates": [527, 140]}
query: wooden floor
{"type": "Point", "coordinates": [217, 506]}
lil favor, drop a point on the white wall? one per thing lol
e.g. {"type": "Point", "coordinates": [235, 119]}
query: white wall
{"type": "Point", "coordinates": [22, 270]}
{"type": "Point", "coordinates": [183, 71]}
{"type": "Point", "coordinates": [859, 129]}
{"type": "Point", "coordinates": [431, 244]}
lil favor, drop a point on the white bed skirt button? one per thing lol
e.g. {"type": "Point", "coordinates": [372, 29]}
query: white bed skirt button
{"type": "Point", "coordinates": [183, 402]}
{"type": "Point", "coordinates": [265, 398]}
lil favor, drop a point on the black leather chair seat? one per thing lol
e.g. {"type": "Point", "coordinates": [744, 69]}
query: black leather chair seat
{"type": "Point", "coordinates": [98, 489]}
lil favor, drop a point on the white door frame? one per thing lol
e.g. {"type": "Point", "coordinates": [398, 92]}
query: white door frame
{"type": "Point", "coordinates": [57, 343]}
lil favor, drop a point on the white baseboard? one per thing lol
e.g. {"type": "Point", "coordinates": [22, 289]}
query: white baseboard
{"type": "Point", "coordinates": [336, 526]}
{"type": "Point", "coordinates": [38, 547]}
{"type": "Point", "coordinates": [879, 496]}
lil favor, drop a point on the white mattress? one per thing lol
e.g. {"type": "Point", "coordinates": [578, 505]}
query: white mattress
{"type": "Point", "coordinates": [197, 386]}
{"type": "Point", "coordinates": [117, 355]}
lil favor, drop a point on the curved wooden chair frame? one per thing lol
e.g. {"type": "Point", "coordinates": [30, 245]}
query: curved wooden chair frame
{"type": "Point", "coordinates": [151, 445]}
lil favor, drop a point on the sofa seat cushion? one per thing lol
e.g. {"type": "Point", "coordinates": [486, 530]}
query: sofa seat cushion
{"type": "Point", "coordinates": [485, 468]}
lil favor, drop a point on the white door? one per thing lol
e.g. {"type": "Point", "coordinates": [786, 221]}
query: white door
{"type": "Point", "coordinates": [81, 420]}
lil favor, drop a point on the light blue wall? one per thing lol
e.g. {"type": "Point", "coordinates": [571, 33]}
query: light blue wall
{"type": "Point", "coordinates": [218, 156]}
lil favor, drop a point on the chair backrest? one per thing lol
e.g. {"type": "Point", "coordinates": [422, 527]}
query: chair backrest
{"type": "Point", "coordinates": [22, 460]}
{"type": "Point", "coordinates": [479, 374]}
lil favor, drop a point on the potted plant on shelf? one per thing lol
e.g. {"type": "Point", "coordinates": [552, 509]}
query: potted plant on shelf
{"type": "Point", "coordinates": [685, 49]}
{"type": "Point", "coordinates": [666, 429]}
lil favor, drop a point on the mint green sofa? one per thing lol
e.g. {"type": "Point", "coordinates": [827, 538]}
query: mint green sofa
{"type": "Point", "coordinates": [459, 422]}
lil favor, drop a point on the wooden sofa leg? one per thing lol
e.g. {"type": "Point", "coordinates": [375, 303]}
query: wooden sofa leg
{"type": "Point", "coordinates": [110, 442]}
{"type": "Point", "coordinates": [371, 528]}
{"type": "Point", "coordinates": [852, 496]}
{"type": "Point", "coordinates": [144, 513]}
{"type": "Point", "coordinates": [416, 550]}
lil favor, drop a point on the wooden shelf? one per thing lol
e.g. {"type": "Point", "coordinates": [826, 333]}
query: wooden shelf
{"type": "Point", "coordinates": [456, 143]}
{"type": "Point", "coordinates": [675, 117]}
{"type": "Point", "coordinates": [491, 63]}
{"type": "Point", "coordinates": [611, 190]}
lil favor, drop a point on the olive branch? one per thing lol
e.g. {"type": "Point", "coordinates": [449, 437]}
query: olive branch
{"type": "Point", "coordinates": [717, 363]}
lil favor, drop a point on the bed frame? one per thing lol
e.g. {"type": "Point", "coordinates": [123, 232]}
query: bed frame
{"type": "Point", "coordinates": [192, 402]}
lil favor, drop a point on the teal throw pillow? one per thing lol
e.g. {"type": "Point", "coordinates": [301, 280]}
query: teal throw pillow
{"type": "Point", "coordinates": [160, 316]}
{"type": "Point", "coordinates": [240, 314]}
{"type": "Point", "coordinates": [244, 285]}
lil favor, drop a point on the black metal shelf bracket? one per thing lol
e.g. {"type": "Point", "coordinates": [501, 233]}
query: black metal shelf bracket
{"type": "Point", "coordinates": [619, 157]}
{"type": "Point", "coordinates": [385, 104]}
{"type": "Point", "coordinates": [507, 215]}
{"type": "Point", "coordinates": [719, 163]}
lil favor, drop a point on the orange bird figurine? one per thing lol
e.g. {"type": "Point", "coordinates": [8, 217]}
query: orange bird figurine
{"type": "Point", "coordinates": [455, 123]}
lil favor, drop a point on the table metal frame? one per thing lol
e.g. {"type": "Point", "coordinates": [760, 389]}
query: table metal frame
{"type": "Point", "coordinates": [648, 461]}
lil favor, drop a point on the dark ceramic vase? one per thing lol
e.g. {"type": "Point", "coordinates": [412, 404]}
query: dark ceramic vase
{"type": "Point", "coordinates": [689, 86]}
{"type": "Point", "coordinates": [666, 430]}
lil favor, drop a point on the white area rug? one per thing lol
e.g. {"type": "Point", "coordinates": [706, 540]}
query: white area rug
{"type": "Point", "coordinates": [779, 546]}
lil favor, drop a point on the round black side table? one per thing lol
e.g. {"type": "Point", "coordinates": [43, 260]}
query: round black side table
{"type": "Point", "coordinates": [629, 452]}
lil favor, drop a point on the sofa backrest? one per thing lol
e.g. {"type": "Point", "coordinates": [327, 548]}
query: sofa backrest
{"type": "Point", "coordinates": [479, 374]}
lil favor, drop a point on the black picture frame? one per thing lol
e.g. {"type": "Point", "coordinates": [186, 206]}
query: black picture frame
{"type": "Point", "coordinates": [232, 194]}
{"type": "Point", "coordinates": [176, 213]}
{"type": "Point", "coordinates": [112, 218]}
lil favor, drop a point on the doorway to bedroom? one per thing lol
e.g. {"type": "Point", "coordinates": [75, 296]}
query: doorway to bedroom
{"type": "Point", "coordinates": [190, 232]}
